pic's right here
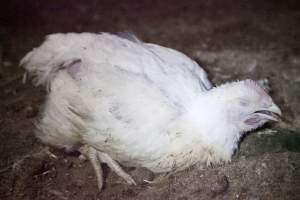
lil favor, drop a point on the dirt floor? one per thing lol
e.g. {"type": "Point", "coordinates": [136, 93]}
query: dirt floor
{"type": "Point", "coordinates": [230, 39]}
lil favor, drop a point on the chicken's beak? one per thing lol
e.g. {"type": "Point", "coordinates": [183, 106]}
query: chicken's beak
{"type": "Point", "coordinates": [272, 113]}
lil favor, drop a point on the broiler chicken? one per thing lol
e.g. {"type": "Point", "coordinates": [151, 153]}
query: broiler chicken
{"type": "Point", "coordinates": [122, 101]}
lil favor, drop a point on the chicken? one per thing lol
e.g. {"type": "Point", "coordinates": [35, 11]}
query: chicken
{"type": "Point", "coordinates": [119, 100]}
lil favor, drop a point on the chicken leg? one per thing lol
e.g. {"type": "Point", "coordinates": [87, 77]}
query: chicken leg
{"type": "Point", "coordinates": [96, 157]}
{"type": "Point", "coordinates": [113, 165]}
{"type": "Point", "coordinates": [91, 154]}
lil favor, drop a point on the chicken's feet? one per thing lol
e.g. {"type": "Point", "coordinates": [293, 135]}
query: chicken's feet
{"type": "Point", "coordinates": [113, 165]}
{"type": "Point", "coordinates": [96, 157]}
{"type": "Point", "coordinates": [91, 154]}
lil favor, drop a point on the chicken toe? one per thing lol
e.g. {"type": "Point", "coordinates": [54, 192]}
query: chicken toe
{"type": "Point", "coordinates": [91, 153]}
{"type": "Point", "coordinates": [113, 165]}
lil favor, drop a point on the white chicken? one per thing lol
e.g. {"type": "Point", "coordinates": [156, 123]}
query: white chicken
{"type": "Point", "coordinates": [119, 100]}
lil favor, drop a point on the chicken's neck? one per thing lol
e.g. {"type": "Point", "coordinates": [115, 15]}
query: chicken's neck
{"type": "Point", "coordinates": [202, 135]}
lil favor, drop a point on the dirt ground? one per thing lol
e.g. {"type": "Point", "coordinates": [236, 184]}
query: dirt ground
{"type": "Point", "coordinates": [230, 39]}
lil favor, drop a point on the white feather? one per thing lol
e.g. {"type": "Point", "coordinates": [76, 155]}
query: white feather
{"type": "Point", "coordinates": [142, 104]}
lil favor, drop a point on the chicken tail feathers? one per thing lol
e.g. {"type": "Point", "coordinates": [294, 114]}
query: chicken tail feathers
{"type": "Point", "coordinates": [43, 62]}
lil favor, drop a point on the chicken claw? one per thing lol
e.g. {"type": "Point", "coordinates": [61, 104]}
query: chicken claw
{"type": "Point", "coordinates": [113, 165]}
{"type": "Point", "coordinates": [91, 153]}
{"type": "Point", "coordinates": [96, 157]}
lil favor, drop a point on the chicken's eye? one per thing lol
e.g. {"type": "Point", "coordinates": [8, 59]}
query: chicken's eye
{"type": "Point", "coordinates": [266, 104]}
{"type": "Point", "coordinates": [243, 102]}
